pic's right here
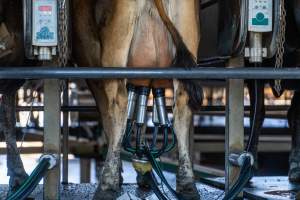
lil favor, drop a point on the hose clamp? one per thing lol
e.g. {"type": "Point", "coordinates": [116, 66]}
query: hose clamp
{"type": "Point", "coordinates": [53, 160]}
{"type": "Point", "coordinates": [239, 159]}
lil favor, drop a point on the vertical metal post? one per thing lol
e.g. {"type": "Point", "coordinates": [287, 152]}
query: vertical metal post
{"type": "Point", "coordinates": [85, 170]}
{"type": "Point", "coordinates": [65, 147]}
{"type": "Point", "coordinates": [234, 138]}
{"type": "Point", "coordinates": [52, 136]}
{"type": "Point", "coordinates": [191, 139]}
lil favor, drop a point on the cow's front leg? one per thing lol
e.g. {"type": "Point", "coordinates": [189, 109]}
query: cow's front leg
{"type": "Point", "coordinates": [182, 120]}
{"type": "Point", "coordinates": [15, 166]}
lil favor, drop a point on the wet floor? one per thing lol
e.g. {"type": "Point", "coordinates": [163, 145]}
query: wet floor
{"type": "Point", "coordinates": [267, 188]}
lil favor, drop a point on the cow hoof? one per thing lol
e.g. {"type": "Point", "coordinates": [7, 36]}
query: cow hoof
{"type": "Point", "coordinates": [188, 191]}
{"type": "Point", "coordinates": [106, 195]}
{"type": "Point", "coordinates": [142, 182]}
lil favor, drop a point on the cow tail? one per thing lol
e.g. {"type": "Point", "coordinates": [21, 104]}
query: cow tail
{"type": "Point", "coordinates": [184, 58]}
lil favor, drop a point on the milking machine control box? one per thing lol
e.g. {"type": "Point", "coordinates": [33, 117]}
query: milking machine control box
{"type": "Point", "coordinates": [44, 23]}
{"type": "Point", "coordinates": [260, 15]}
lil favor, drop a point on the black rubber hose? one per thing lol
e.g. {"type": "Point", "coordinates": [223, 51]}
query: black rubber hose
{"type": "Point", "coordinates": [252, 131]}
{"type": "Point", "coordinates": [126, 139]}
{"type": "Point", "coordinates": [154, 138]}
{"type": "Point", "coordinates": [174, 140]}
{"type": "Point", "coordinates": [138, 141]}
{"type": "Point", "coordinates": [160, 174]}
{"type": "Point", "coordinates": [150, 177]}
{"type": "Point", "coordinates": [165, 143]}
{"type": "Point", "coordinates": [244, 177]}
{"type": "Point", "coordinates": [31, 182]}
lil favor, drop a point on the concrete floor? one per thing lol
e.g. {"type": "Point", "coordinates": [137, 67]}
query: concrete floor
{"type": "Point", "coordinates": [129, 191]}
{"type": "Point", "coordinates": [77, 191]}
{"type": "Point", "coordinates": [275, 188]}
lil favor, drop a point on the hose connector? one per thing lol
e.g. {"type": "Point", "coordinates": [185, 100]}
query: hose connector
{"type": "Point", "coordinates": [160, 100]}
{"type": "Point", "coordinates": [239, 159]}
{"type": "Point", "coordinates": [53, 160]}
{"type": "Point", "coordinates": [141, 165]}
{"type": "Point", "coordinates": [132, 98]}
{"type": "Point", "coordinates": [142, 105]}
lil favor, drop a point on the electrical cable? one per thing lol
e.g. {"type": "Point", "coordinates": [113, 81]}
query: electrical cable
{"type": "Point", "coordinates": [245, 175]}
{"type": "Point", "coordinates": [254, 116]}
{"type": "Point", "coordinates": [247, 169]}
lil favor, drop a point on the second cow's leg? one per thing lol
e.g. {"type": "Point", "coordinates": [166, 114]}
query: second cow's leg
{"type": "Point", "coordinates": [294, 123]}
{"type": "Point", "coordinates": [182, 120]}
{"type": "Point", "coordinates": [15, 166]}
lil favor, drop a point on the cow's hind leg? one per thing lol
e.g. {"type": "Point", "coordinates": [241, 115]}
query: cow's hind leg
{"type": "Point", "coordinates": [187, 24]}
{"type": "Point", "coordinates": [116, 39]}
{"type": "Point", "coordinates": [111, 97]}
{"type": "Point", "coordinates": [182, 120]}
{"type": "Point", "coordinates": [15, 166]}
{"type": "Point", "coordinates": [294, 123]}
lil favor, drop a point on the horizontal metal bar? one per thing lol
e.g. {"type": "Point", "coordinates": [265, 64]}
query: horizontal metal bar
{"type": "Point", "coordinates": [63, 108]}
{"type": "Point", "coordinates": [153, 73]}
{"type": "Point", "coordinates": [94, 108]}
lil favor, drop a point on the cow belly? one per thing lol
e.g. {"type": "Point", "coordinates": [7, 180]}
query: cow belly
{"type": "Point", "coordinates": [151, 45]}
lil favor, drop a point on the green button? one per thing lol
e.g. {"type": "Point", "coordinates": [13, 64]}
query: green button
{"type": "Point", "coordinates": [260, 16]}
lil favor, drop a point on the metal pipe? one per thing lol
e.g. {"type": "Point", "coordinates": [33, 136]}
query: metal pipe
{"type": "Point", "coordinates": [256, 48]}
{"type": "Point", "coordinates": [142, 105]}
{"type": "Point", "coordinates": [169, 108]}
{"type": "Point", "coordinates": [153, 73]}
{"type": "Point", "coordinates": [160, 100]}
{"type": "Point", "coordinates": [155, 118]}
{"type": "Point", "coordinates": [131, 105]}
{"type": "Point", "coordinates": [65, 147]}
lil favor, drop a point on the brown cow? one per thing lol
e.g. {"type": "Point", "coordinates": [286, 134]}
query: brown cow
{"type": "Point", "coordinates": [136, 33]}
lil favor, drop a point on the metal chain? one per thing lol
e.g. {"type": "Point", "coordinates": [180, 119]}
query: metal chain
{"type": "Point", "coordinates": [280, 45]}
{"type": "Point", "coordinates": [63, 30]}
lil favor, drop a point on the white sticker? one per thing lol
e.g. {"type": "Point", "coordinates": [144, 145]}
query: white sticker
{"type": "Point", "coordinates": [260, 15]}
{"type": "Point", "coordinates": [44, 24]}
